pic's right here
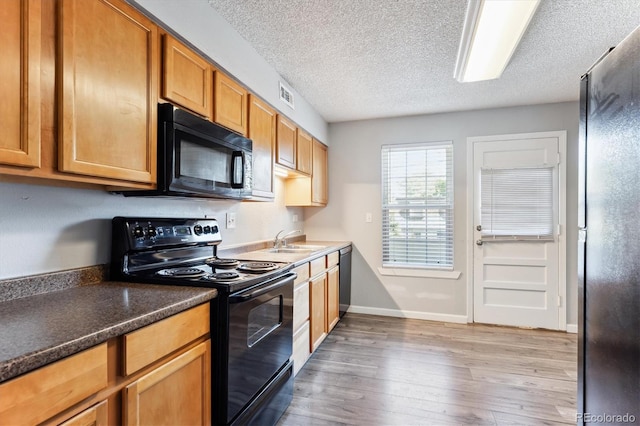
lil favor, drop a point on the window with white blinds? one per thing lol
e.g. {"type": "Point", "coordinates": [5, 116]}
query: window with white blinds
{"type": "Point", "coordinates": [417, 205]}
{"type": "Point", "coordinates": [517, 203]}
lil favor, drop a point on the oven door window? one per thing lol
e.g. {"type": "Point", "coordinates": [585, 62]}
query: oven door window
{"type": "Point", "coordinates": [263, 320]}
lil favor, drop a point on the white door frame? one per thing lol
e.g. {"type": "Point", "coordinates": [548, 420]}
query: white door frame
{"type": "Point", "coordinates": [562, 213]}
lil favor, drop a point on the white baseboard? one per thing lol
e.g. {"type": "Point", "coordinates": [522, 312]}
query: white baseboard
{"type": "Point", "coordinates": [572, 328]}
{"type": "Point", "coordinates": [430, 316]}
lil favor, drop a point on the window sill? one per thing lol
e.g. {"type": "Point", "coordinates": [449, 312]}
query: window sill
{"type": "Point", "coordinates": [420, 273]}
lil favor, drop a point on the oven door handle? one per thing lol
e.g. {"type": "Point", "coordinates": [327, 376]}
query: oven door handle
{"type": "Point", "coordinates": [243, 297]}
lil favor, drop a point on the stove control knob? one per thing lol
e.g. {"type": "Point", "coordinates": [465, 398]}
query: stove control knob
{"type": "Point", "coordinates": [214, 229]}
{"type": "Point", "coordinates": [151, 231]}
{"type": "Point", "coordinates": [207, 229]}
{"type": "Point", "coordinates": [197, 229]}
{"type": "Point", "coordinates": [138, 232]}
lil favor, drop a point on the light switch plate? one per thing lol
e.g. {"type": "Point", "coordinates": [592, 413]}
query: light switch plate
{"type": "Point", "coordinates": [231, 220]}
{"type": "Point", "coordinates": [368, 217]}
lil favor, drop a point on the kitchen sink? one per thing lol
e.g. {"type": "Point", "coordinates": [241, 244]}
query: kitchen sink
{"type": "Point", "coordinates": [288, 250]}
{"type": "Point", "coordinates": [295, 248]}
{"type": "Point", "coordinates": [307, 247]}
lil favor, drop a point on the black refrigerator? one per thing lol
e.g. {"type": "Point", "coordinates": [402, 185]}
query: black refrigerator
{"type": "Point", "coordinates": [609, 238]}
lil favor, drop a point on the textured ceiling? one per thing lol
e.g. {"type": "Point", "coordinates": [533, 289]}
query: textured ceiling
{"type": "Point", "coordinates": [359, 59]}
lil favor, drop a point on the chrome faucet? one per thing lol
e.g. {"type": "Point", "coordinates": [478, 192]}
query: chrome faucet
{"type": "Point", "coordinates": [282, 241]}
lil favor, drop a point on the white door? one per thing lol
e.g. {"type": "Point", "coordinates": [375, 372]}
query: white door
{"type": "Point", "coordinates": [516, 251]}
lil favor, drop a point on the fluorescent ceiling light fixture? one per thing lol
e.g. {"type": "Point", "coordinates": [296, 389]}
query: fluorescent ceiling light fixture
{"type": "Point", "coordinates": [492, 30]}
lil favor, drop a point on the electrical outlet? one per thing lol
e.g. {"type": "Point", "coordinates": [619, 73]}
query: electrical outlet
{"type": "Point", "coordinates": [231, 220]}
{"type": "Point", "coordinates": [368, 217]}
{"type": "Point", "coordinates": [294, 218]}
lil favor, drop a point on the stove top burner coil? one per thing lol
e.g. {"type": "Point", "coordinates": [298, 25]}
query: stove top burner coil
{"type": "Point", "coordinates": [217, 263]}
{"type": "Point", "coordinates": [182, 272]}
{"type": "Point", "coordinates": [257, 267]}
{"type": "Point", "coordinates": [223, 276]}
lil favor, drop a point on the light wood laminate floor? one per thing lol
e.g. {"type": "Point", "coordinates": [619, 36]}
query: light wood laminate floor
{"type": "Point", "coordinates": [374, 370]}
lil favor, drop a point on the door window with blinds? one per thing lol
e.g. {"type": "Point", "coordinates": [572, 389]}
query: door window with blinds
{"type": "Point", "coordinates": [517, 203]}
{"type": "Point", "coordinates": [417, 205]}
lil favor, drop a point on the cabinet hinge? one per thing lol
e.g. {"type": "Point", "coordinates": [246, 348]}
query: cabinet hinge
{"type": "Point", "coordinates": [559, 301]}
{"type": "Point", "coordinates": [558, 158]}
{"type": "Point", "coordinates": [558, 229]}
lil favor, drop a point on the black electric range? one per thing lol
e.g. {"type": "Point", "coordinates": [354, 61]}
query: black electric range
{"type": "Point", "coordinates": [251, 321]}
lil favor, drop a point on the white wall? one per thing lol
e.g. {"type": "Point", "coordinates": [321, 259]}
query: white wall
{"type": "Point", "coordinates": [202, 26]}
{"type": "Point", "coordinates": [46, 229]}
{"type": "Point", "coordinates": [354, 189]}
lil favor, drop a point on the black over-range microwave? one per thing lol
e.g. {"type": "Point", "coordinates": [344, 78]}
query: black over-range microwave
{"type": "Point", "coordinates": [198, 158]}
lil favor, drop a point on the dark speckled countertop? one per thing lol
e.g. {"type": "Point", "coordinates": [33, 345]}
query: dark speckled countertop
{"type": "Point", "coordinates": [43, 328]}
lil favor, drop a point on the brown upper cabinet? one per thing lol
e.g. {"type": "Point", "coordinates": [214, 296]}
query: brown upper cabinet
{"type": "Point", "coordinates": [286, 143]}
{"type": "Point", "coordinates": [293, 147]}
{"type": "Point", "coordinates": [319, 178]}
{"type": "Point", "coordinates": [310, 190]}
{"type": "Point", "coordinates": [187, 78]}
{"type": "Point", "coordinates": [230, 109]}
{"type": "Point", "coordinates": [20, 82]}
{"type": "Point", "coordinates": [108, 70]}
{"type": "Point", "coordinates": [262, 131]}
{"type": "Point", "coordinates": [303, 153]}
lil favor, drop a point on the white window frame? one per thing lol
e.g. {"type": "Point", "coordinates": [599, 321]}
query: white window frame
{"type": "Point", "coordinates": [390, 265]}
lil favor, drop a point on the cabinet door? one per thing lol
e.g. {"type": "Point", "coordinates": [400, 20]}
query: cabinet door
{"type": "Point", "coordinates": [186, 78]}
{"type": "Point", "coordinates": [286, 139]}
{"type": "Point", "coordinates": [93, 416]}
{"type": "Point", "coordinates": [318, 315]}
{"type": "Point", "coordinates": [108, 83]}
{"type": "Point", "coordinates": [333, 297]}
{"type": "Point", "coordinates": [262, 131]}
{"type": "Point", "coordinates": [301, 347]}
{"type": "Point", "coordinates": [300, 305]}
{"type": "Point", "coordinates": [319, 177]}
{"type": "Point", "coordinates": [230, 109]}
{"type": "Point", "coordinates": [176, 393]}
{"type": "Point", "coordinates": [20, 82]}
{"type": "Point", "coordinates": [303, 156]}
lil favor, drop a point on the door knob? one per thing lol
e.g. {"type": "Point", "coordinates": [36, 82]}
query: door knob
{"type": "Point", "coordinates": [479, 242]}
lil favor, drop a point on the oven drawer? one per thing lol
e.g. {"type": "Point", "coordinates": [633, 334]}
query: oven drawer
{"type": "Point", "coordinates": [147, 345]}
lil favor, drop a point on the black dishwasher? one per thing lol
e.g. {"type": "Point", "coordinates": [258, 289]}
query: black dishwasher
{"type": "Point", "coordinates": [345, 280]}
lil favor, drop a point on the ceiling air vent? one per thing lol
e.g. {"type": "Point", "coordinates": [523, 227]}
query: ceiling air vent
{"type": "Point", "coordinates": [286, 96]}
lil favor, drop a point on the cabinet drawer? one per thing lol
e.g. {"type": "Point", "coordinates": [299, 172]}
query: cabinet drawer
{"type": "Point", "coordinates": [45, 392]}
{"type": "Point", "coordinates": [318, 265]}
{"type": "Point", "coordinates": [149, 344]}
{"type": "Point", "coordinates": [94, 416]}
{"type": "Point", "coordinates": [303, 273]}
{"type": "Point", "coordinates": [300, 305]}
{"type": "Point", "coordinates": [333, 259]}
{"type": "Point", "coordinates": [300, 347]}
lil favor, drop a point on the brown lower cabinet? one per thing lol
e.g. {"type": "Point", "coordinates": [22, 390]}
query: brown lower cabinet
{"type": "Point", "coordinates": [169, 381]}
{"type": "Point", "coordinates": [166, 396]}
{"type": "Point", "coordinates": [333, 297]}
{"type": "Point", "coordinates": [317, 305]}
